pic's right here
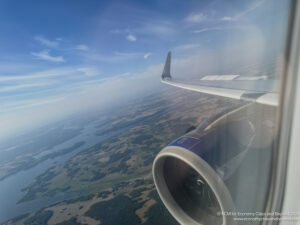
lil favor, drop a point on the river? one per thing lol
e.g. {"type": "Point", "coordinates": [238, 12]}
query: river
{"type": "Point", "coordinates": [11, 187]}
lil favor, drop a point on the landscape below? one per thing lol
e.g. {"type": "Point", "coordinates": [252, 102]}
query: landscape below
{"type": "Point", "coordinates": [111, 181]}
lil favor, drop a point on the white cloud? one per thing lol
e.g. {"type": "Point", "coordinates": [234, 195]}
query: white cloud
{"type": "Point", "coordinates": [22, 104]}
{"type": "Point", "coordinates": [196, 18]}
{"type": "Point", "coordinates": [147, 55]}
{"type": "Point", "coordinates": [227, 18]}
{"type": "Point", "coordinates": [130, 37]}
{"type": "Point", "coordinates": [124, 74]}
{"type": "Point", "coordinates": [116, 57]}
{"type": "Point", "coordinates": [187, 47]}
{"type": "Point", "coordinates": [90, 72]}
{"type": "Point", "coordinates": [39, 75]}
{"type": "Point", "coordinates": [159, 28]}
{"type": "Point", "coordinates": [209, 29]}
{"type": "Point", "coordinates": [82, 47]}
{"type": "Point", "coordinates": [253, 6]}
{"type": "Point", "coordinates": [48, 43]}
{"type": "Point", "coordinates": [44, 55]}
{"type": "Point", "coordinates": [22, 86]}
{"type": "Point", "coordinates": [245, 28]}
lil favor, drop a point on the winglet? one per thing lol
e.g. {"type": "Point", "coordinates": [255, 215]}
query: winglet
{"type": "Point", "coordinates": [166, 73]}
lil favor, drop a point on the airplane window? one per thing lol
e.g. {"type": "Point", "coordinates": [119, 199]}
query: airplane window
{"type": "Point", "coordinates": [142, 112]}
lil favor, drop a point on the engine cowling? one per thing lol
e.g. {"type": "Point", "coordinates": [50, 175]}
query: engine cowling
{"type": "Point", "coordinates": [200, 176]}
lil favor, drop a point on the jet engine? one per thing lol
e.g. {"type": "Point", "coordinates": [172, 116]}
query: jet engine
{"type": "Point", "coordinates": [218, 169]}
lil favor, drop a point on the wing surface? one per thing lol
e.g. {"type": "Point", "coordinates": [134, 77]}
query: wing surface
{"type": "Point", "coordinates": [260, 89]}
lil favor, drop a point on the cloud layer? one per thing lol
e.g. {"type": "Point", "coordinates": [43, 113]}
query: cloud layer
{"type": "Point", "coordinates": [44, 55]}
{"type": "Point", "coordinates": [130, 37]}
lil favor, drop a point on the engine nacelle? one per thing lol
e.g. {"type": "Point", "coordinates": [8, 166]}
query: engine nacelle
{"type": "Point", "coordinates": [199, 176]}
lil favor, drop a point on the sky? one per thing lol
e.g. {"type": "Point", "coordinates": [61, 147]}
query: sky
{"type": "Point", "coordinates": [60, 57]}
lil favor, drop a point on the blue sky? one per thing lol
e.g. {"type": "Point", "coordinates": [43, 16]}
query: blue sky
{"type": "Point", "coordinates": [57, 57]}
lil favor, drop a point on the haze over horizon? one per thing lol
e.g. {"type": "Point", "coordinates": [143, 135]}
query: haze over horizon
{"type": "Point", "coordinates": [59, 57]}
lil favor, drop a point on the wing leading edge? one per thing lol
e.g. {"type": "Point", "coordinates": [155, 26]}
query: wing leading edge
{"type": "Point", "coordinates": [255, 89]}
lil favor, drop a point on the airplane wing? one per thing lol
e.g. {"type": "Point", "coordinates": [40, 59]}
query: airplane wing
{"type": "Point", "coordinates": [260, 89]}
